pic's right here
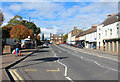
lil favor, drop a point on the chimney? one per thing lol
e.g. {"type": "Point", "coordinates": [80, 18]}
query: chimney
{"type": "Point", "coordinates": [109, 15]}
{"type": "Point", "coordinates": [94, 26]}
{"type": "Point", "coordinates": [113, 14]}
{"type": "Point", "coordinates": [75, 27]}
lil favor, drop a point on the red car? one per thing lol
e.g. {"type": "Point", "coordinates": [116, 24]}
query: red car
{"type": "Point", "coordinates": [75, 45]}
{"type": "Point", "coordinates": [63, 43]}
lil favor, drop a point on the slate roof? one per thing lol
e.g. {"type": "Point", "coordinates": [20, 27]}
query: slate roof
{"type": "Point", "coordinates": [91, 30]}
{"type": "Point", "coordinates": [111, 19]}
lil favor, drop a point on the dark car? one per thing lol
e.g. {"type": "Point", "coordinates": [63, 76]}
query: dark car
{"type": "Point", "coordinates": [80, 46]}
{"type": "Point", "coordinates": [75, 45]}
{"type": "Point", "coordinates": [71, 44]}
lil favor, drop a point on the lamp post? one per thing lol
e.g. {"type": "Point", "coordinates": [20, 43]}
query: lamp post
{"type": "Point", "coordinates": [35, 41]}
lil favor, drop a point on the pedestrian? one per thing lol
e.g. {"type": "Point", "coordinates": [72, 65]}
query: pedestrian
{"type": "Point", "coordinates": [17, 50]}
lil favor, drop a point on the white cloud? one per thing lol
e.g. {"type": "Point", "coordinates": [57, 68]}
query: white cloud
{"type": "Point", "coordinates": [60, 0]}
{"type": "Point", "coordinates": [15, 7]}
{"type": "Point", "coordinates": [7, 17]}
{"type": "Point", "coordinates": [82, 17]}
{"type": "Point", "coordinates": [47, 31]}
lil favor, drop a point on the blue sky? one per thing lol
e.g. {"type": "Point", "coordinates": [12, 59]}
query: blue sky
{"type": "Point", "coordinates": [60, 17]}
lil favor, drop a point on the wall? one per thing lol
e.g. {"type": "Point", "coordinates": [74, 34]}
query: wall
{"type": "Point", "coordinates": [106, 35]}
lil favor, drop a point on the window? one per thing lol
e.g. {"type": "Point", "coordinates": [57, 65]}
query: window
{"type": "Point", "coordinates": [99, 35]}
{"type": "Point", "coordinates": [105, 32]}
{"type": "Point", "coordinates": [117, 30]}
{"type": "Point", "coordinates": [99, 29]}
{"type": "Point", "coordinates": [110, 31]}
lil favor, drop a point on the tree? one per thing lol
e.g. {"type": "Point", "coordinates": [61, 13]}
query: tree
{"type": "Point", "coordinates": [32, 26]}
{"type": "Point", "coordinates": [1, 18]}
{"type": "Point", "coordinates": [19, 32]}
{"type": "Point", "coordinates": [38, 30]}
{"type": "Point", "coordinates": [31, 34]}
{"type": "Point", "coordinates": [65, 37]}
{"type": "Point", "coordinates": [15, 21]}
{"type": "Point", "coordinates": [6, 32]}
{"type": "Point", "coordinates": [38, 37]}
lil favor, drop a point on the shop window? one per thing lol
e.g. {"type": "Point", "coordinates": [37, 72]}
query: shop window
{"type": "Point", "coordinates": [115, 46]}
{"type": "Point", "coordinates": [111, 47]}
{"type": "Point", "coordinates": [107, 46]}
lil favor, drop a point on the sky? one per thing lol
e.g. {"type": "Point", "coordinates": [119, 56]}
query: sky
{"type": "Point", "coordinates": [59, 17]}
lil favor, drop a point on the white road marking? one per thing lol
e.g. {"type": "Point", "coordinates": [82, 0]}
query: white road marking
{"type": "Point", "coordinates": [99, 64]}
{"type": "Point", "coordinates": [65, 73]}
{"type": "Point", "coordinates": [60, 51]}
{"type": "Point", "coordinates": [76, 52]}
{"type": "Point", "coordinates": [93, 54]}
{"type": "Point", "coordinates": [69, 79]}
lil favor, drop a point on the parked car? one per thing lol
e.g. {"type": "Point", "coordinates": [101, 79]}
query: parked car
{"type": "Point", "coordinates": [44, 45]}
{"type": "Point", "coordinates": [75, 45]}
{"type": "Point", "coordinates": [67, 44]}
{"type": "Point", "coordinates": [80, 46]}
{"type": "Point", "coordinates": [57, 43]}
{"type": "Point", "coordinates": [63, 43]}
{"type": "Point", "coordinates": [71, 44]}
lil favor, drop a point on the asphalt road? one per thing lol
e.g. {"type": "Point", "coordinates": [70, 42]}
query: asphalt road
{"type": "Point", "coordinates": [60, 63]}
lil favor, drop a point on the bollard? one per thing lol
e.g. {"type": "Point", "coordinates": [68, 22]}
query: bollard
{"type": "Point", "coordinates": [14, 52]}
{"type": "Point", "coordinates": [19, 53]}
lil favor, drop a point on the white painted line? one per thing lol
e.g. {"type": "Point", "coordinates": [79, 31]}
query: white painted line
{"type": "Point", "coordinates": [60, 51]}
{"type": "Point", "coordinates": [65, 73]}
{"type": "Point", "coordinates": [69, 79]}
{"type": "Point", "coordinates": [99, 64]}
{"type": "Point", "coordinates": [93, 54]}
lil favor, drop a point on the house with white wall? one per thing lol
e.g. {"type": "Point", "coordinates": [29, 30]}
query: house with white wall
{"type": "Point", "coordinates": [91, 37]}
{"type": "Point", "coordinates": [72, 35]}
{"type": "Point", "coordinates": [108, 33]}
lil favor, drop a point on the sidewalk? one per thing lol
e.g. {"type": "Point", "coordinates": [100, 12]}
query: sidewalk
{"type": "Point", "coordinates": [101, 54]}
{"type": "Point", "coordinates": [10, 58]}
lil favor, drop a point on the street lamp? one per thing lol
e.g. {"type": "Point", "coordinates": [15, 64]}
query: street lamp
{"type": "Point", "coordinates": [35, 41]}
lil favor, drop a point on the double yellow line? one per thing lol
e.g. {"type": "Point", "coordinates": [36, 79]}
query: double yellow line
{"type": "Point", "coordinates": [15, 75]}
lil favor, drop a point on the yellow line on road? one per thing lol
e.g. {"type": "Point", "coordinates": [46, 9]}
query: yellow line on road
{"type": "Point", "coordinates": [14, 77]}
{"type": "Point", "coordinates": [17, 75]}
{"type": "Point", "coordinates": [31, 70]}
{"type": "Point", "coordinates": [53, 70]}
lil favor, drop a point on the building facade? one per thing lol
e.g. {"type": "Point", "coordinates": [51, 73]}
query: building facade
{"type": "Point", "coordinates": [56, 38]}
{"type": "Point", "coordinates": [91, 37]}
{"type": "Point", "coordinates": [72, 35]}
{"type": "Point", "coordinates": [88, 37]}
{"type": "Point", "coordinates": [108, 33]}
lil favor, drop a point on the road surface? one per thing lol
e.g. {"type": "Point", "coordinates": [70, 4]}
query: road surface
{"type": "Point", "coordinates": [60, 63]}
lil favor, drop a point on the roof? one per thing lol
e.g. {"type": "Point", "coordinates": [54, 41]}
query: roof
{"type": "Point", "coordinates": [57, 35]}
{"type": "Point", "coordinates": [91, 30]}
{"type": "Point", "coordinates": [111, 19]}
{"type": "Point", "coordinates": [78, 34]}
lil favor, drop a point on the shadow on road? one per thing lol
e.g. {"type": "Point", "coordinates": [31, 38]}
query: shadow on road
{"type": "Point", "coordinates": [49, 59]}
{"type": "Point", "coordinates": [43, 60]}
{"type": "Point", "coordinates": [42, 51]}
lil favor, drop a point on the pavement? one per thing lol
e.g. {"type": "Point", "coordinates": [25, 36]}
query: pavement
{"type": "Point", "coordinates": [102, 54]}
{"type": "Point", "coordinates": [61, 63]}
{"type": "Point", "coordinates": [8, 59]}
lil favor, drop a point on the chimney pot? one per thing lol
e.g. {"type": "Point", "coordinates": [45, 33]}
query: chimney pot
{"type": "Point", "coordinates": [109, 15]}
